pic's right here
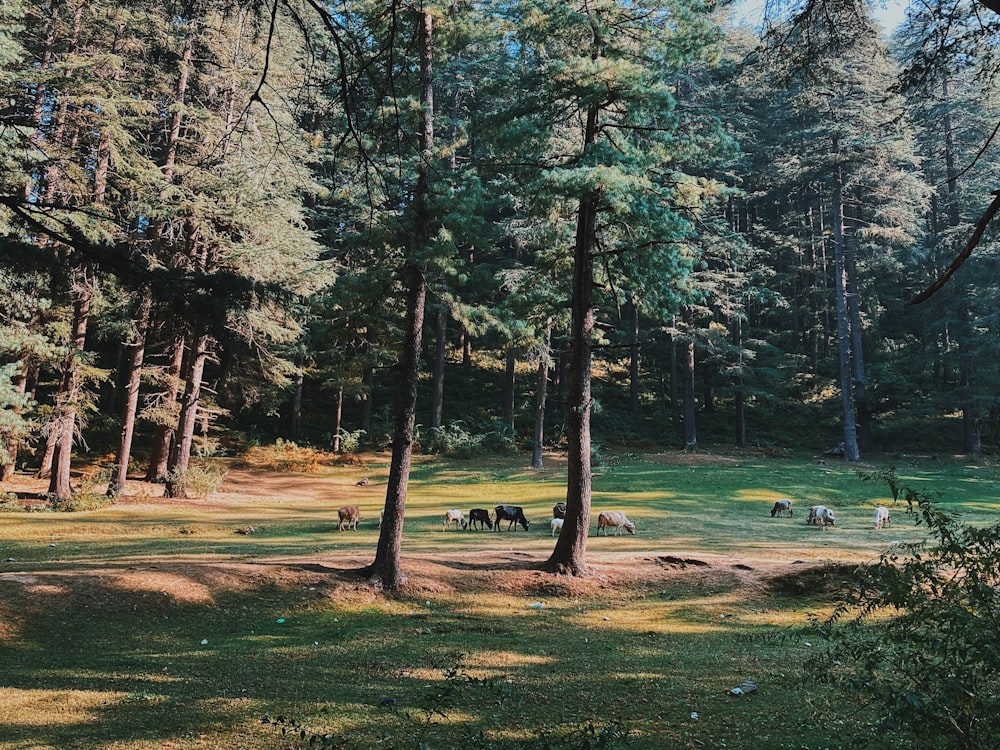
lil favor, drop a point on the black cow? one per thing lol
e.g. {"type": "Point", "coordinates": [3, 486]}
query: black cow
{"type": "Point", "coordinates": [512, 513]}
{"type": "Point", "coordinates": [482, 516]}
{"type": "Point", "coordinates": [559, 510]}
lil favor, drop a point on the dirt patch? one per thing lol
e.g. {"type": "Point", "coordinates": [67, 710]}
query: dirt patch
{"type": "Point", "coordinates": [812, 581]}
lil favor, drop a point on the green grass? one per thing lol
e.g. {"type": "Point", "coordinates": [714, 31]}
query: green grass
{"type": "Point", "coordinates": [151, 625]}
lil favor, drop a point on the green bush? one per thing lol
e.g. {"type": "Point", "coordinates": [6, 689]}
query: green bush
{"type": "Point", "coordinates": [918, 635]}
{"type": "Point", "coordinates": [88, 495]}
{"type": "Point", "coordinates": [199, 481]}
{"type": "Point", "coordinates": [82, 500]}
{"type": "Point", "coordinates": [351, 442]}
{"type": "Point", "coordinates": [456, 440]}
{"type": "Point", "coordinates": [9, 502]}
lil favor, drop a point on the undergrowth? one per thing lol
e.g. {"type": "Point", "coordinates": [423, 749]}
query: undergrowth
{"type": "Point", "coordinates": [285, 456]}
{"type": "Point", "coordinates": [917, 634]}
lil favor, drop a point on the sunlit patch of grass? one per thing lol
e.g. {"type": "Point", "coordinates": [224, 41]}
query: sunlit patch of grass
{"type": "Point", "coordinates": [39, 708]}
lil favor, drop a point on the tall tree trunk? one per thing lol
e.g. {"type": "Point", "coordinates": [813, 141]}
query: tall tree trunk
{"type": "Point", "coordinates": [972, 437]}
{"type": "Point", "coordinates": [295, 407]}
{"type": "Point", "coordinates": [437, 379]}
{"type": "Point", "coordinates": [633, 362]}
{"type": "Point", "coordinates": [675, 398]}
{"type": "Point", "coordinates": [862, 403]}
{"type": "Point", "coordinates": [367, 388]}
{"type": "Point", "coordinates": [163, 440]}
{"type": "Point", "coordinates": [70, 387]}
{"type": "Point", "coordinates": [738, 396]}
{"type": "Point", "coordinates": [971, 413]}
{"type": "Point", "coordinates": [851, 452]}
{"type": "Point", "coordinates": [509, 375]}
{"type": "Point", "coordinates": [130, 404]}
{"type": "Point", "coordinates": [338, 414]}
{"type": "Point", "coordinates": [466, 350]}
{"type": "Point", "coordinates": [543, 380]}
{"type": "Point", "coordinates": [707, 389]}
{"type": "Point", "coordinates": [690, 406]}
{"type": "Point", "coordinates": [180, 456]}
{"type": "Point", "coordinates": [386, 569]}
{"type": "Point", "coordinates": [570, 552]}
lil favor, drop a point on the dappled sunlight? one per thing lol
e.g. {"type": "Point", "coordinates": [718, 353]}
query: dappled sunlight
{"type": "Point", "coordinates": [39, 708]}
{"type": "Point", "coordinates": [685, 616]}
{"type": "Point", "coordinates": [180, 589]}
{"type": "Point", "coordinates": [492, 660]}
{"type": "Point", "coordinates": [120, 600]}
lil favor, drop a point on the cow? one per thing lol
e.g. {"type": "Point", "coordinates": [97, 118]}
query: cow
{"type": "Point", "coordinates": [820, 515]}
{"type": "Point", "coordinates": [512, 513]}
{"type": "Point", "coordinates": [480, 516]}
{"type": "Point", "coordinates": [556, 524]}
{"type": "Point", "coordinates": [559, 510]}
{"type": "Point", "coordinates": [781, 506]}
{"type": "Point", "coordinates": [454, 517]}
{"type": "Point", "coordinates": [882, 517]}
{"type": "Point", "coordinates": [349, 517]}
{"type": "Point", "coordinates": [616, 519]}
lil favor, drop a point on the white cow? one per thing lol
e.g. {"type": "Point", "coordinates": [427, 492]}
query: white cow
{"type": "Point", "coordinates": [557, 524]}
{"type": "Point", "coordinates": [456, 517]}
{"type": "Point", "coordinates": [882, 517]}
{"type": "Point", "coordinates": [821, 516]}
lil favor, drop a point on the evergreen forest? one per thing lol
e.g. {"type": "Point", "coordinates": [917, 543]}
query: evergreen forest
{"type": "Point", "coordinates": [499, 225]}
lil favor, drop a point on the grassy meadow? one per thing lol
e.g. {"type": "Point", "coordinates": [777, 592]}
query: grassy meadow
{"type": "Point", "coordinates": [180, 624]}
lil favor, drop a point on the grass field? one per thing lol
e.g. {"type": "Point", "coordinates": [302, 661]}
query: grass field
{"type": "Point", "coordinates": [163, 624]}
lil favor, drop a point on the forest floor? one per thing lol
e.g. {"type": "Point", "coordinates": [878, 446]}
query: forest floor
{"type": "Point", "coordinates": [158, 622]}
{"type": "Point", "coordinates": [468, 571]}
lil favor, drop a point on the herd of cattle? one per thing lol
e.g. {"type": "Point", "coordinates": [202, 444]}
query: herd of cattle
{"type": "Point", "coordinates": [350, 515]}
{"type": "Point", "coordinates": [819, 515]}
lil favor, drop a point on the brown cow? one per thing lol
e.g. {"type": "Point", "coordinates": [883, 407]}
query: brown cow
{"type": "Point", "coordinates": [349, 517]}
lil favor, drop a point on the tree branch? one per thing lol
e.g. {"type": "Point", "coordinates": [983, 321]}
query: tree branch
{"type": "Point", "coordinates": [977, 235]}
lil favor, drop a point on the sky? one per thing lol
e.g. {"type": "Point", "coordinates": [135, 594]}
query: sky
{"type": "Point", "coordinates": [889, 13]}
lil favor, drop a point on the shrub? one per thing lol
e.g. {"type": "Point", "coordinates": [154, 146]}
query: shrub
{"type": "Point", "coordinates": [82, 500]}
{"type": "Point", "coordinates": [283, 456]}
{"type": "Point", "coordinates": [9, 502]}
{"type": "Point", "coordinates": [918, 634]}
{"type": "Point", "coordinates": [89, 494]}
{"type": "Point", "coordinates": [459, 441]}
{"type": "Point", "coordinates": [350, 442]}
{"type": "Point", "coordinates": [199, 481]}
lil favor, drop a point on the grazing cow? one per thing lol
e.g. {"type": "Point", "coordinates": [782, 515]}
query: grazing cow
{"type": "Point", "coordinates": [454, 517]}
{"type": "Point", "coordinates": [781, 506]}
{"type": "Point", "coordinates": [557, 524]}
{"type": "Point", "coordinates": [512, 513]}
{"type": "Point", "coordinates": [559, 510]}
{"type": "Point", "coordinates": [615, 519]}
{"type": "Point", "coordinates": [820, 515]}
{"type": "Point", "coordinates": [882, 517]}
{"type": "Point", "coordinates": [349, 517]}
{"type": "Point", "coordinates": [480, 516]}
{"type": "Point", "coordinates": [363, 482]}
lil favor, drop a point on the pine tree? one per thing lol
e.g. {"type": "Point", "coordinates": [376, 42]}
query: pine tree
{"type": "Point", "coordinates": [848, 157]}
{"type": "Point", "coordinates": [597, 114]}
